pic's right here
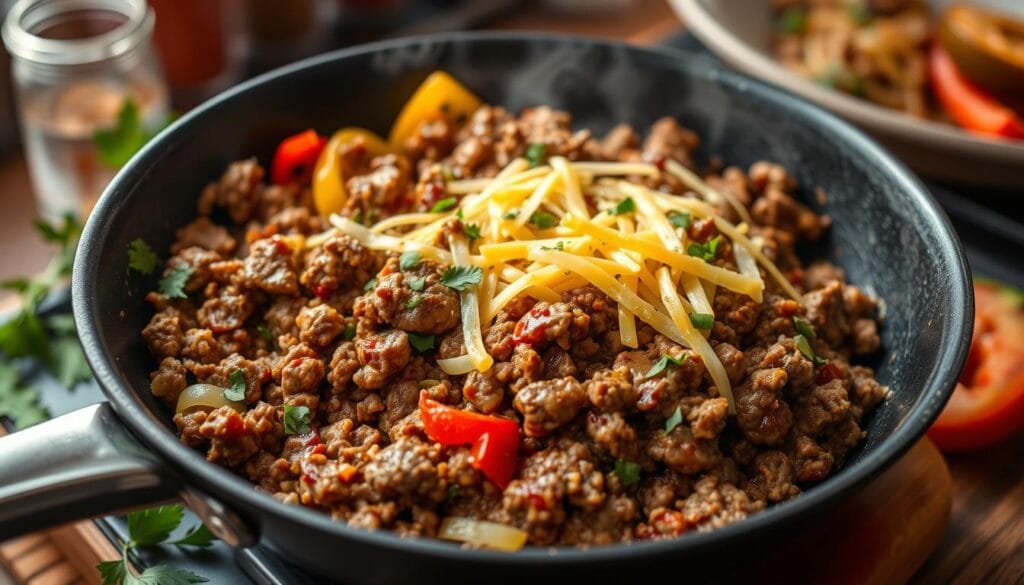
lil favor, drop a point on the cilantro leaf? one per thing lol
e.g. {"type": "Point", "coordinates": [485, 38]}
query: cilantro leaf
{"type": "Point", "coordinates": [663, 363]}
{"type": "Point", "coordinates": [543, 219]}
{"type": "Point", "coordinates": [628, 472]}
{"type": "Point", "coordinates": [472, 231]}
{"type": "Point", "coordinates": [511, 214]}
{"type": "Point", "coordinates": [417, 284]}
{"type": "Point", "coordinates": [679, 219]}
{"type": "Point", "coordinates": [625, 206]}
{"type": "Point", "coordinates": [199, 535]}
{"type": "Point", "coordinates": [414, 301]}
{"type": "Point", "coordinates": [805, 348]}
{"type": "Point", "coordinates": [674, 420]}
{"type": "Point", "coordinates": [803, 327]}
{"type": "Point", "coordinates": [536, 153]}
{"type": "Point", "coordinates": [164, 575]}
{"type": "Point", "coordinates": [409, 259]}
{"type": "Point", "coordinates": [236, 393]}
{"type": "Point", "coordinates": [172, 285]}
{"type": "Point", "coordinates": [19, 403]}
{"type": "Point", "coordinates": [443, 205]}
{"type": "Point", "coordinates": [116, 145]}
{"type": "Point", "coordinates": [350, 332]}
{"type": "Point", "coordinates": [153, 525]}
{"type": "Point", "coordinates": [268, 335]}
{"type": "Point", "coordinates": [462, 277]}
{"type": "Point", "coordinates": [296, 419]}
{"type": "Point", "coordinates": [706, 252]}
{"type": "Point", "coordinates": [421, 343]}
{"type": "Point", "coordinates": [141, 258]}
{"type": "Point", "coordinates": [702, 320]}
{"type": "Point", "coordinates": [370, 284]}
{"type": "Point", "coordinates": [65, 360]}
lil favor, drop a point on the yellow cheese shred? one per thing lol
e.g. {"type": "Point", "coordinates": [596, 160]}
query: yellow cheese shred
{"type": "Point", "coordinates": [472, 329]}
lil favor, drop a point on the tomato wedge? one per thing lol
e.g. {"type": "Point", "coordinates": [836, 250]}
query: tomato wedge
{"type": "Point", "coordinates": [987, 406]}
{"type": "Point", "coordinates": [494, 440]}
{"type": "Point", "coordinates": [971, 107]}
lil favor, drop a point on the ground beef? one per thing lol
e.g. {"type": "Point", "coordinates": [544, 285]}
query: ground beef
{"type": "Point", "coordinates": [346, 341]}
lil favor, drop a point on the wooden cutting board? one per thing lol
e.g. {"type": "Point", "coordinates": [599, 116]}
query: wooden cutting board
{"type": "Point", "coordinates": [880, 536]}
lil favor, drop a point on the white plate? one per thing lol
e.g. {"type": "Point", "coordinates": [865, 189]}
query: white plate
{"type": "Point", "coordinates": [740, 33]}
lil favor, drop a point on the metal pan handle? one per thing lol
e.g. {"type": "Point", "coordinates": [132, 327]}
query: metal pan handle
{"type": "Point", "coordinates": [78, 465]}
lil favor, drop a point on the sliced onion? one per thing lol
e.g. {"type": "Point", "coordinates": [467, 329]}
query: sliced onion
{"type": "Point", "coordinates": [205, 396]}
{"type": "Point", "coordinates": [479, 532]}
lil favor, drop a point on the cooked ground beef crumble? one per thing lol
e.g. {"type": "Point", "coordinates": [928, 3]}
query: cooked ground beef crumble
{"type": "Point", "coordinates": [329, 328]}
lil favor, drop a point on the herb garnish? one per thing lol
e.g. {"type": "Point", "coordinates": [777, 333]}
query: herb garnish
{"type": "Point", "coordinates": [236, 393]}
{"type": "Point", "coordinates": [417, 284]}
{"type": "Point", "coordinates": [150, 528]}
{"type": "Point", "coordinates": [628, 472]}
{"type": "Point", "coordinates": [512, 214]}
{"type": "Point", "coordinates": [296, 419]}
{"type": "Point", "coordinates": [536, 153]}
{"type": "Point", "coordinates": [702, 320]}
{"type": "Point", "coordinates": [674, 420]}
{"type": "Point", "coordinates": [172, 285]}
{"type": "Point", "coordinates": [471, 230]}
{"type": "Point", "coordinates": [421, 343]}
{"type": "Point", "coordinates": [141, 258]}
{"type": "Point", "coordinates": [409, 259]}
{"type": "Point", "coordinates": [803, 328]}
{"type": "Point", "coordinates": [679, 219]}
{"type": "Point", "coordinates": [267, 335]}
{"type": "Point", "coordinates": [370, 284]}
{"type": "Point", "coordinates": [414, 301]}
{"type": "Point", "coordinates": [461, 277]}
{"type": "Point", "coordinates": [116, 145]}
{"type": "Point", "coordinates": [706, 252]}
{"type": "Point", "coordinates": [662, 363]}
{"type": "Point", "coordinates": [805, 348]}
{"type": "Point", "coordinates": [443, 205]}
{"type": "Point", "coordinates": [625, 206]}
{"type": "Point", "coordinates": [350, 332]}
{"type": "Point", "coordinates": [543, 219]}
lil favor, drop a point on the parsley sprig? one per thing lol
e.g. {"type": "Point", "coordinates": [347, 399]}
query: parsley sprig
{"type": "Point", "coordinates": [296, 419]}
{"type": "Point", "coordinates": [628, 472]}
{"type": "Point", "coordinates": [116, 145]}
{"type": "Point", "coordinates": [153, 527]}
{"type": "Point", "coordinates": [662, 364]}
{"type": "Point", "coordinates": [462, 277]}
{"type": "Point", "coordinates": [706, 252]}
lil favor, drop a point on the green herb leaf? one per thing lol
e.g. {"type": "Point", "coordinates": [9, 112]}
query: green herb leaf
{"type": "Point", "coordinates": [350, 332]}
{"type": "Point", "coordinates": [559, 245]}
{"type": "Point", "coordinates": [793, 20]}
{"type": "Point", "coordinates": [296, 419]}
{"type": "Point", "coordinates": [153, 525]}
{"type": "Point", "coordinates": [702, 320]}
{"type": "Point", "coordinates": [236, 393]}
{"type": "Point", "coordinates": [471, 230]}
{"type": "Point", "coordinates": [409, 259]}
{"type": "Point", "coordinates": [625, 206]}
{"type": "Point", "coordinates": [164, 575]}
{"type": "Point", "coordinates": [199, 535]}
{"type": "Point", "coordinates": [421, 343]}
{"type": "Point", "coordinates": [805, 348]}
{"type": "Point", "coordinates": [662, 363]}
{"type": "Point", "coordinates": [112, 572]}
{"type": "Point", "coordinates": [414, 301]}
{"type": "Point", "coordinates": [417, 284]}
{"type": "Point", "coordinates": [628, 472]}
{"type": "Point", "coordinates": [446, 174]}
{"type": "Point", "coordinates": [803, 328]}
{"type": "Point", "coordinates": [24, 334]}
{"type": "Point", "coordinates": [674, 420]}
{"type": "Point", "coordinates": [115, 146]}
{"type": "Point", "coordinates": [706, 252]}
{"type": "Point", "coordinates": [65, 360]}
{"type": "Point", "coordinates": [443, 205]}
{"type": "Point", "coordinates": [172, 285]}
{"type": "Point", "coordinates": [536, 154]}
{"type": "Point", "coordinates": [679, 219]}
{"type": "Point", "coordinates": [543, 219]}
{"type": "Point", "coordinates": [370, 284]}
{"type": "Point", "coordinates": [17, 402]}
{"type": "Point", "coordinates": [462, 277]}
{"type": "Point", "coordinates": [141, 258]}
{"type": "Point", "coordinates": [511, 214]}
{"type": "Point", "coordinates": [268, 335]}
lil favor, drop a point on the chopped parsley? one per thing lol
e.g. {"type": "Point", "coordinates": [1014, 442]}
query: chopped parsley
{"type": "Point", "coordinates": [803, 327]}
{"type": "Point", "coordinates": [536, 154]}
{"type": "Point", "coordinates": [543, 219]}
{"type": "Point", "coordinates": [471, 230]}
{"type": "Point", "coordinates": [793, 20]}
{"type": "Point", "coordinates": [172, 285]}
{"type": "Point", "coordinates": [141, 258]}
{"type": "Point", "coordinates": [417, 284]}
{"type": "Point", "coordinates": [443, 205]}
{"type": "Point", "coordinates": [462, 277]}
{"type": "Point", "coordinates": [625, 206]}
{"type": "Point", "coordinates": [512, 214]}
{"type": "Point", "coordinates": [414, 301]}
{"type": "Point", "coordinates": [805, 348]}
{"type": "Point", "coordinates": [153, 527]}
{"type": "Point", "coordinates": [370, 284]}
{"type": "Point", "coordinates": [674, 420]}
{"type": "Point", "coordinates": [421, 343]}
{"type": "Point", "coordinates": [409, 259]}
{"type": "Point", "coordinates": [663, 363]}
{"type": "Point", "coordinates": [559, 245]}
{"type": "Point", "coordinates": [702, 320]}
{"type": "Point", "coordinates": [236, 393]}
{"type": "Point", "coordinates": [706, 252]}
{"type": "Point", "coordinates": [679, 219]}
{"type": "Point", "coordinates": [627, 471]}
{"type": "Point", "coordinates": [296, 419]}
{"type": "Point", "coordinates": [350, 332]}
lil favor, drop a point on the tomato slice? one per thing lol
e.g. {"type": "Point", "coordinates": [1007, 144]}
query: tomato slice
{"type": "Point", "coordinates": [987, 406]}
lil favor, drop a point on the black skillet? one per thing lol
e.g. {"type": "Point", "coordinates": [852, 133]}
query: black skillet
{"type": "Point", "coordinates": [888, 235]}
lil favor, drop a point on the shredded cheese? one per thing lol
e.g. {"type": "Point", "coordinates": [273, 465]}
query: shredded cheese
{"type": "Point", "coordinates": [472, 331]}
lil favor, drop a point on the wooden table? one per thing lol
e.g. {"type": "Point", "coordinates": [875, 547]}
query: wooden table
{"type": "Point", "coordinates": [984, 540]}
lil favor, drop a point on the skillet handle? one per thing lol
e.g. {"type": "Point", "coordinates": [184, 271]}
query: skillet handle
{"type": "Point", "coordinates": [75, 466]}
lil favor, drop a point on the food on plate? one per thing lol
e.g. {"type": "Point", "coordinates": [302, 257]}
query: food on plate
{"type": "Point", "coordinates": [965, 67]}
{"type": "Point", "coordinates": [988, 404]}
{"type": "Point", "coordinates": [496, 329]}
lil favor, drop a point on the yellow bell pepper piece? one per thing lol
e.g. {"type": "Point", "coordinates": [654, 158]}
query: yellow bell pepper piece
{"type": "Point", "coordinates": [328, 176]}
{"type": "Point", "coordinates": [438, 96]}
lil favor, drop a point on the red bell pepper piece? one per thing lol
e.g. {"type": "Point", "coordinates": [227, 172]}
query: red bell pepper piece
{"type": "Point", "coordinates": [494, 439]}
{"type": "Point", "coordinates": [296, 157]}
{"type": "Point", "coordinates": [970, 106]}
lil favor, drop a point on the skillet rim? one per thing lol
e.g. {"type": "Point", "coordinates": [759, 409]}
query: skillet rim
{"type": "Point", "coordinates": [190, 464]}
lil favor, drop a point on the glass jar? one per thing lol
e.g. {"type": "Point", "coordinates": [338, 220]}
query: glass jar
{"type": "Point", "coordinates": [75, 65]}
